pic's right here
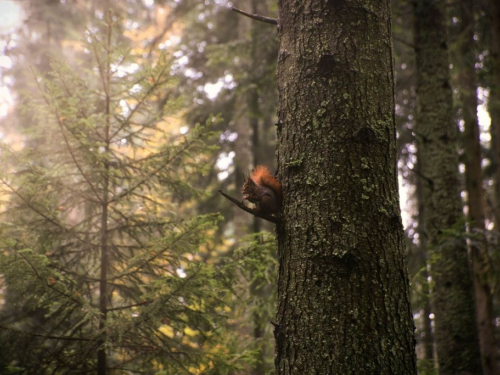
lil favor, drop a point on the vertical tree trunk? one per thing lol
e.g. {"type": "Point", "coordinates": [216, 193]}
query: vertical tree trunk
{"type": "Point", "coordinates": [494, 99]}
{"type": "Point", "coordinates": [103, 279]}
{"type": "Point", "coordinates": [428, 341]}
{"type": "Point", "coordinates": [251, 141]}
{"type": "Point", "coordinates": [243, 159]}
{"type": "Point", "coordinates": [253, 110]}
{"type": "Point", "coordinates": [474, 183]}
{"type": "Point", "coordinates": [452, 296]}
{"type": "Point", "coordinates": [258, 329]}
{"type": "Point", "coordinates": [343, 297]}
{"type": "Point", "coordinates": [103, 282]}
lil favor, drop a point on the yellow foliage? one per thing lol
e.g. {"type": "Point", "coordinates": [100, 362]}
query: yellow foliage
{"type": "Point", "coordinates": [190, 332]}
{"type": "Point", "coordinates": [167, 331]}
{"type": "Point", "coordinates": [188, 342]}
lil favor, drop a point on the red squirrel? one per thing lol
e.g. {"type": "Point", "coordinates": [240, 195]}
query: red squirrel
{"type": "Point", "coordinates": [264, 190]}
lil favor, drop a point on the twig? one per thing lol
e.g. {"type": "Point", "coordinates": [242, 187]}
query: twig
{"type": "Point", "coordinates": [258, 17]}
{"type": "Point", "coordinates": [129, 306]}
{"type": "Point", "coordinates": [255, 213]}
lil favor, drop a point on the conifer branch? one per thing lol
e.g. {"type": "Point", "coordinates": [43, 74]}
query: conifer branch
{"type": "Point", "coordinates": [62, 125]}
{"type": "Point", "coordinates": [50, 337]}
{"type": "Point", "coordinates": [31, 207]}
{"type": "Point", "coordinates": [153, 257]}
{"type": "Point", "coordinates": [129, 306]}
{"type": "Point", "coordinates": [257, 17]}
{"type": "Point", "coordinates": [45, 281]}
{"type": "Point", "coordinates": [139, 103]}
{"type": "Point", "coordinates": [252, 211]}
{"type": "Point", "coordinates": [155, 171]}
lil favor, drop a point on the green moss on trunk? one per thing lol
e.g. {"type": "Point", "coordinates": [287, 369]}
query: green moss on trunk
{"type": "Point", "coordinates": [343, 299]}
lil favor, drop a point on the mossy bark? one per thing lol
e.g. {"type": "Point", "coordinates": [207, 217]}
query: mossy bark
{"type": "Point", "coordinates": [343, 297]}
{"type": "Point", "coordinates": [456, 337]}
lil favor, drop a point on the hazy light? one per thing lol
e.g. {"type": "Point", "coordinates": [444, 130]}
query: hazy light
{"type": "Point", "coordinates": [181, 273]}
{"type": "Point", "coordinates": [482, 109]}
{"type": "Point", "coordinates": [213, 89]}
{"type": "Point", "coordinates": [404, 202]}
{"type": "Point", "coordinates": [5, 62]}
{"type": "Point", "coordinates": [191, 73]}
{"type": "Point", "coordinates": [10, 15]}
{"type": "Point", "coordinates": [222, 175]}
{"type": "Point", "coordinates": [125, 108]}
{"type": "Point", "coordinates": [6, 101]}
{"type": "Point", "coordinates": [124, 70]}
{"type": "Point", "coordinates": [135, 89]}
{"type": "Point", "coordinates": [225, 160]}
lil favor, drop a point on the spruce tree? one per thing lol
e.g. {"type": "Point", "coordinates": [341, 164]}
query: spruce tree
{"type": "Point", "coordinates": [102, 258]}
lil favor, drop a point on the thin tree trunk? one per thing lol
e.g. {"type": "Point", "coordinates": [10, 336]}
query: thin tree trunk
{"type": "Point", "coordinates": [474, 183]}
{"type": "Point", "coordinates": [343, 291]}
{"type": "Point", "coordinates": [494, 100]}
{"type": "Point", "coordinates": [103, 292]}
{"type": "Point", "coordinates": [243, 159]}
{"type": "Point", "coordinates": [428, 341]}
{"type": "Point", "coordinates": [452, 300]}
{"type": "Point", "coordinates": [253, 109]}
{"type": "Point", "coordinates": [103, 280]}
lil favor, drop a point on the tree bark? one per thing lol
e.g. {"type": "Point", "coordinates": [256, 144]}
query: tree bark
{"type": "Point", "coordinates": [456, 338]}
{"type": "Point", "coordinates": [343, 296]}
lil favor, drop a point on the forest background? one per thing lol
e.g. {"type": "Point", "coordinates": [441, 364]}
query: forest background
{"type": "Point", "coordinates": [120, 121]}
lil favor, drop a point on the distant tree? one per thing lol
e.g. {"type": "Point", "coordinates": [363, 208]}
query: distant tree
{"type": "Point", "coordinates": [466, 83]}
{"type": "Point", "coordinates": [101, 255]}
{"type": "Point", "coordinates": [343, 291]}
{"type": "Point", "coordinates": [51, 27]}
{"type": "Point", "coordinates": [238, 54]}
{"type": "Point", "coordinates": [409, 170]}
{"type": "Point", "coordinates": [493, 14]}
{"type": "Point", "coordinates": [456, 338]}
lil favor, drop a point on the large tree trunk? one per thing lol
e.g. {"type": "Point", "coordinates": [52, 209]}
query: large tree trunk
{"type": "Point", "coordinates": [452, 295]}
{"type": "Point", "coordinates": [343, 297]}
